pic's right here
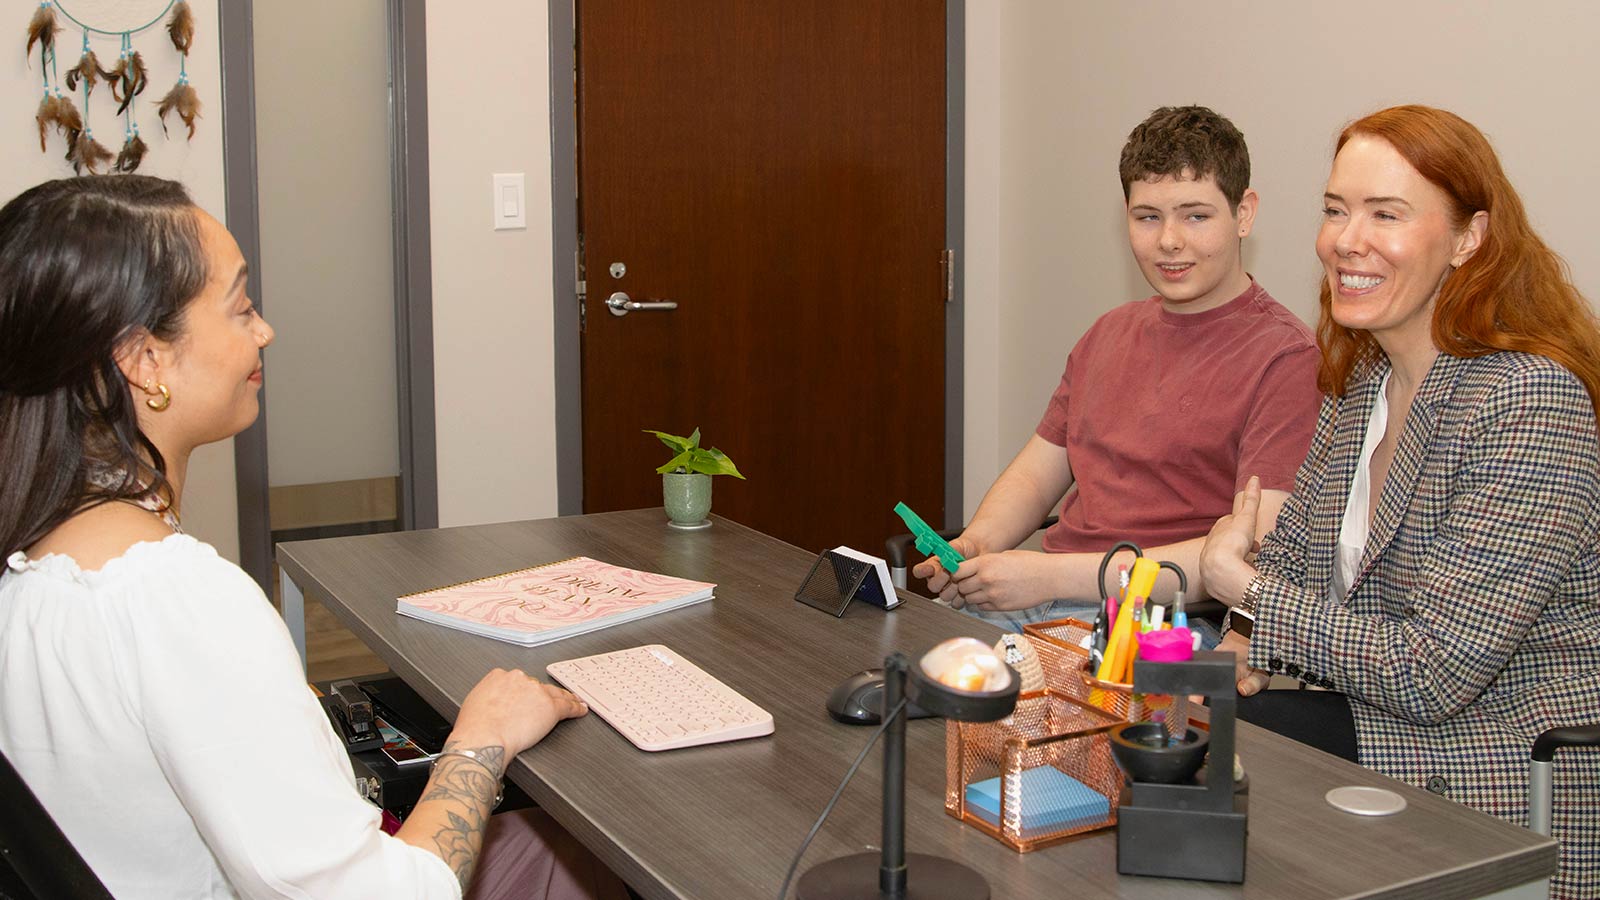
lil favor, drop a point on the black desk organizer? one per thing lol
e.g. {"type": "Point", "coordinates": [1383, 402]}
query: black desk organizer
{"type": "Point", "coordinates": [1183, 825]}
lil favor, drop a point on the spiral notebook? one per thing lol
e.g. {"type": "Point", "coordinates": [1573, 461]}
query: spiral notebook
{"type": "Point", "coordinates": [547, 603]}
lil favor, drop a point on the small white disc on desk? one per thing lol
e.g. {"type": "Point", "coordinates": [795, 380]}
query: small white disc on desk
{"type": "Point", "coordinates": [1366, 801]}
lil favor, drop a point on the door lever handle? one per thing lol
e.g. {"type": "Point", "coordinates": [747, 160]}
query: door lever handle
{"type": "Point", "coordinates": [621, 305]}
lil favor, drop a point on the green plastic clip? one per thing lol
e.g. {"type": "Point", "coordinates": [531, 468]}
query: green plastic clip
{"type": "Point", "coordinates": [928, 540]}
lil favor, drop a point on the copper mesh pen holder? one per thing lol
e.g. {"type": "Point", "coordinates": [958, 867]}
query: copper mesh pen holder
{"type": "Point", "coordinates": [1067, 671]}
{"type": "Point", "coordinates": [1037, 777]}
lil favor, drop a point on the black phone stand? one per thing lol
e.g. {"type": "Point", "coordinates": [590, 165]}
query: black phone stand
{"type": "Point", "coordinates": [833, 582]}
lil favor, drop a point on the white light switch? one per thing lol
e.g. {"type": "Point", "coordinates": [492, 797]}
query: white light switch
{"type": "Point", "coordinates": [510, 210]}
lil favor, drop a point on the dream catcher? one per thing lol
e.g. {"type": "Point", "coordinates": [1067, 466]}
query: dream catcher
{"type": "Point", "coordinates": [122, 82]}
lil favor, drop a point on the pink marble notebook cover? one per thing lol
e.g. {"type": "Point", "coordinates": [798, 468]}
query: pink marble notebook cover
{"type": "Point", "coordinates": [545, 603]}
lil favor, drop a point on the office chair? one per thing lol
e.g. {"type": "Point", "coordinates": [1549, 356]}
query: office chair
{"type": "Point", "coordinates": [1540, 769]}
{"type": "Point", "coordinates": [37, 862]}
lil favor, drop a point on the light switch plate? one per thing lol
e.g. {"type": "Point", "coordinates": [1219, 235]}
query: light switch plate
{"type": "Point", "coordinates": [510, 201]}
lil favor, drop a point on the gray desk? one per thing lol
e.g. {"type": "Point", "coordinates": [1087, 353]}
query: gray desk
{"type": "Point", "coordinates": [723, 821]}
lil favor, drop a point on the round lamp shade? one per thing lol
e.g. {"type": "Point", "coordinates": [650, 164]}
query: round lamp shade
{"type": "Point", "coordinates": [963, 679]}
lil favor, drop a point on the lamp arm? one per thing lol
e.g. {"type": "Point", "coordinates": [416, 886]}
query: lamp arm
{"type": "Point", "coordinates": [892, 869]}
{"type": "Point", "coordinates": [898, 712]}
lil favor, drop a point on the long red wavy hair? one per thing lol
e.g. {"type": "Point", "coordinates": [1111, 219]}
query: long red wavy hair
{"type": "Point", "coordinates": [1514, 293]}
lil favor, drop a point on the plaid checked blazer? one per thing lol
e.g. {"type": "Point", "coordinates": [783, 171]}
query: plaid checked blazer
{"type": "Point", "coordinates": [1473, 623]}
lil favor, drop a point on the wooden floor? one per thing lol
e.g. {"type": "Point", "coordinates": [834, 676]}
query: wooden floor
{"type": "Point", "coordinates": [333, 652]}
{"type": "Point", "coordinates": [327, 510]}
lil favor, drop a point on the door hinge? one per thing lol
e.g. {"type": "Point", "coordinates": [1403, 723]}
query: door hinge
{"type": "Point", "coordinates": [947, 267]}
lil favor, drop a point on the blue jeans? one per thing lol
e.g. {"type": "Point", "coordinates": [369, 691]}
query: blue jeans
{"type": "Point", "coordinates": [1013, 619]}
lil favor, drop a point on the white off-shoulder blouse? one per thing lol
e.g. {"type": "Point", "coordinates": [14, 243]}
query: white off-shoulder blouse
{"type": "Point", "coordinates": [159, 711]}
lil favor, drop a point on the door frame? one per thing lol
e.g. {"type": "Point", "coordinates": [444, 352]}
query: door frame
{"type": "Point", "coordinates": [568, 283]}
{"type": "Point", "coordinates": [413, 266]}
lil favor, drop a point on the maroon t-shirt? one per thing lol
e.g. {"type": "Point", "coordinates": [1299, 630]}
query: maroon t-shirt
{"type": "Point", "coordinates": [1165, 416]}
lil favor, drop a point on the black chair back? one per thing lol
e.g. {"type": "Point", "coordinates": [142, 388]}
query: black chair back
{"type": "Point", "coordinates": [37, 862]}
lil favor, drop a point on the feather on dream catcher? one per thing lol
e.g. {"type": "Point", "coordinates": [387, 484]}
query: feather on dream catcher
{"type": "Point", "coordinates": [123, 82]}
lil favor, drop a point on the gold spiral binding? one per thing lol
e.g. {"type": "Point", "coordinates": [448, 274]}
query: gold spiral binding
{"type": "Point", "coordinates": [460, 584]}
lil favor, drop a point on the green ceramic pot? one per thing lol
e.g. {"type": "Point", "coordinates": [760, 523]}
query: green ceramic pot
{"type": "Point", "coordinates": [687, 498]}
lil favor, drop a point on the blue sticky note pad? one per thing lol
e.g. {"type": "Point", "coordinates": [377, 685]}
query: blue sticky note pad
{"type": "Point", "coordinates": [1054, 800]}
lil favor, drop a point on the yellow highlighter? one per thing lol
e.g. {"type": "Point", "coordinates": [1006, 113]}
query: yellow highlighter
{"type": "Point", "coordinates": [1142, 580]}
{"type": "Point", "coordinates": [1121, 641]}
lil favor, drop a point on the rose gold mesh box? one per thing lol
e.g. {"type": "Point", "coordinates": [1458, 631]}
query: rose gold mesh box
{"type": "Point", "coordinates": [1037, 777]}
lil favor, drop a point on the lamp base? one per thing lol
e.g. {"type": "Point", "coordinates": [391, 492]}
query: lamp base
{"type": "Point", "coordinates": [856, 878]}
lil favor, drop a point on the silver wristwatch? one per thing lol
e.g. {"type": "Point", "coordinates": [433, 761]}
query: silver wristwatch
{"type": "Point", "coordinates": [1242, 617]}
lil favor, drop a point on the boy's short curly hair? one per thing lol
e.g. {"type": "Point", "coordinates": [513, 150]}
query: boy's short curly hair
{"type": "Point", "coordinates": [1174, 140]}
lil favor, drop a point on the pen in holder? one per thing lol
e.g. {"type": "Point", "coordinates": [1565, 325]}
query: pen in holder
{"type": "Point", "coordinates": [1069, 670]}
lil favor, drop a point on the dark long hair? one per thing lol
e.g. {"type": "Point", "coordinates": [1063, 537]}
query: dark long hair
{"type": "Point", "coordinates": [1514, 293]}
{"type": "Point", "coordinates": [85, 264]}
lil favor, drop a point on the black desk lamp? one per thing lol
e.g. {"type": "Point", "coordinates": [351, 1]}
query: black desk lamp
{"type": "Point", "coordinates": [959, 679]}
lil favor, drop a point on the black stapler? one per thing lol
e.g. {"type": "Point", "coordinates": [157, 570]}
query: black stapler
{"type": "Point", "coordinates": [351, 711]}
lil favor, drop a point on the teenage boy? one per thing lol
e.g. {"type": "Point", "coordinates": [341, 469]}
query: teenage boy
{"type": "Point", "coordinates": [1167, 406]}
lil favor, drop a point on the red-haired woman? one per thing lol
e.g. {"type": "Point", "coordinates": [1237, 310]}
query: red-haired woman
{"type": "Point", "coordinates": [1438, 564]}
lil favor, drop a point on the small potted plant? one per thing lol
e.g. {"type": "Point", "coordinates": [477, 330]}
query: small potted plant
{"type": "Point", "coordinates": [686, 479]}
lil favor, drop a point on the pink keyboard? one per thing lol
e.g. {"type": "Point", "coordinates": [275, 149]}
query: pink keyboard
{"type": "Point", "coordinates": [659, 700]}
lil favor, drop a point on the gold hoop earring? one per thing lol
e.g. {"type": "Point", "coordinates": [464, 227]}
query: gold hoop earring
{"type": "Point", "coordinates": [164, 402]}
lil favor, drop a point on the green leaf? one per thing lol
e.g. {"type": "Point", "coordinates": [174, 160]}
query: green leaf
{"type": "Point", "coordinates": [694, 439]}
{"type": "Point", "coordinates": [728, 467]}
{"type": "Point", "coordinates": [674, 443]}
{"type": "Point", "coordinates": [682, 460]}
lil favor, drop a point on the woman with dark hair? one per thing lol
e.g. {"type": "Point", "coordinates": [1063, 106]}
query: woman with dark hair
{"type": "Point", "coordinates": [1437, 567]}
{"type": "Point", "coordinates": [149, 695]}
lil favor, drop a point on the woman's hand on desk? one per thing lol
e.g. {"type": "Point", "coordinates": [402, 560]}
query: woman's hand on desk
{"type": "Point", "coordinates": [514, 710]}
{"type": "Point", "coordinates": [1250, 680]}
{"type": "Point", "coordinates": [504, 714]}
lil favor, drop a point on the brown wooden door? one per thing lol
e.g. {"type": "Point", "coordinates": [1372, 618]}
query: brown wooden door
{"type": "Point", "coordinates": [778, 170]}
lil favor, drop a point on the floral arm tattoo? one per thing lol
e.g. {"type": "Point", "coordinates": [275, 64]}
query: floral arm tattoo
{"type": "Point", "coordinates": [469, 787]}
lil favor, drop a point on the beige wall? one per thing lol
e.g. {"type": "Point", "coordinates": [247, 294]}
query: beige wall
{"type": "Point", "coordinates": [488, 112]}
{"type": "Point", "coordinates": [322, 145]}
{"type": "Point", "coordinates": [210, 509]}
{"type": "Point", "coordinates": [1054, 88]}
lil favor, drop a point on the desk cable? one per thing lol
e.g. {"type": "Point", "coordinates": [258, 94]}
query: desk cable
{"type": "Point", "coordinates": [795, 864]}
